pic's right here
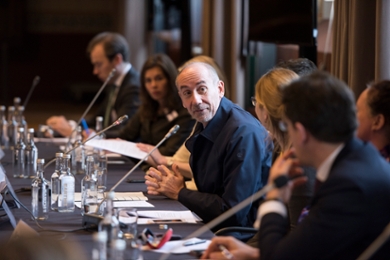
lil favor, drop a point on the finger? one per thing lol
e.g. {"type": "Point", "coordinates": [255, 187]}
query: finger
{"type": "Point", "coordinates": [299, 181]}
{"type": "Point", "coordinates": [152, 184]}
{"type": "Point", "coordinates": [176, 170]}
{"type": "Point", "coordinates": [153, 192]}
{"type": "Point", "coordinates": [155, 174]}
{"type": "Point", "coordinates": [164, 170]}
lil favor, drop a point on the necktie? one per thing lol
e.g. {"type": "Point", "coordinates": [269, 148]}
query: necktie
{"type": "Point", "coordinates": [305, 210]}
{"type": "Point", "coordinates": [110, 104]}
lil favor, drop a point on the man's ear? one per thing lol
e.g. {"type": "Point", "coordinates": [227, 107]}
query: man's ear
{"type": "Point", "coordinates": [221, 88]}
{"type": "Point", "coordinates": [118, 59]}
{"type": "Point", "coordinates": [302, 133]}
{"type": "Point", "coordinates": [378, 122]}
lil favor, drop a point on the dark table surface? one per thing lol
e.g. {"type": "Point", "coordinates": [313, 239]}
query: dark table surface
{"type": "Point", "coordinates": [72, 221]}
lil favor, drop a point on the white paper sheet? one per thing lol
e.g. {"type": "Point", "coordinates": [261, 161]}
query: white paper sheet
{"type": "Point", "coordinates": [166, 216]}
{"type": "Point", "coordinates": [125, 204]}
{"type": "Point", "coordinates": [120, 196]}
{"type": "Point", "coordinates": [177, 247]}
{"type": "Point", "coordinates": [56, 140]}
{"type": "Point", "coordinates": [118, 146]}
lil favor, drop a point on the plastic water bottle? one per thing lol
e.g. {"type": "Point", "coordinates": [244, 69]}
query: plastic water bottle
{"type": "Point", "coordinates": [89, 188]}
{"type": "Point", "coordinates": [40, 193]}
{"type": "Point", "coordinates": [12, 127]}
{"type": "Point", "coordinates": [99, 252]}
{"type": "Point", "coordinates": [110, 223]}
{"type": "Point", "coordinates": [55, 182]}
{"type": "Point", "coordinates": [67, 184]}
{"type": "Point", "coordinates": [20, 120]}
{"type": "Point", "coordinates": [31, 155]}
{"type": "Point", "coordinates": [4, 140]}
{"type": "Point", "coordinates": [78, 154]}
{"type": "Point", "coordinates": [19, 156]}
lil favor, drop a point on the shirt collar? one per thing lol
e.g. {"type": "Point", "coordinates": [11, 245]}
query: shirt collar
{"type": "Point", "coordinates": [324, 168]}
{"type": "Point", "coordinates": [122, 75]}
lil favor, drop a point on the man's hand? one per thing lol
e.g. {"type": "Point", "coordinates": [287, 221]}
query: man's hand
{"type": "Point", "coordinates": [60, 124]}
{"type": "Point", "coordinates": [285, 164]}
{"type": "Point", "coordinates": [238, 249]}
{"type": "Point", "coordinates": [157, 157]}
{"type": "Point", "coordinates": [165, 182]}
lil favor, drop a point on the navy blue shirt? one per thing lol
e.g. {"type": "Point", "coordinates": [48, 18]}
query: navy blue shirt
{"type": "Point", "coordinates": [230, 161]}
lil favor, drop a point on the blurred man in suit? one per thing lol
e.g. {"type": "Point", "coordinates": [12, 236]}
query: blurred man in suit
{"type": "Point", "coordinates": [108, 51]}
{"type": "Point", "coordinates": [350, 207]}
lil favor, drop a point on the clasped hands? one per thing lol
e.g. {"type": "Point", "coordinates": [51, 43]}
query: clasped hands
{"type": "Point", "coordinates": [162, 181]}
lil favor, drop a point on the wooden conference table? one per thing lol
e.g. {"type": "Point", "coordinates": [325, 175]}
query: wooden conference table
{"type": "Point", "coordinates": [72, 221]}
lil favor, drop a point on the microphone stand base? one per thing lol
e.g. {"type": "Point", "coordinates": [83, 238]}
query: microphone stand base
{"type": "Point", "coordinates": [91, 221]}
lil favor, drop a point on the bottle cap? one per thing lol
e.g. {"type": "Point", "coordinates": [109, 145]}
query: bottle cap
{"type": "Point", "coordinates": [31, 130]}
{"type": "Point", "coordinates": [66, 156]}
{"type": "Point", "coordinates": [59, 155]}
{"type": "Point", "coordinates": [41, 161]}
{"type": "Point", "coordinates": [99, 118]}
{"type": "Point", "coordinates": [21, 129]}
{"type": "Point", "coordinates": [119, 244]}
{"type": "Point", "coordinates": [100, 236]}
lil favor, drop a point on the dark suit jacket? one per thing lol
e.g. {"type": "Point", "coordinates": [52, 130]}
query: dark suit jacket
{"type": "Point", "coordinates": [126, 103]}
{"type": "Point", "coordinates": [349, 210]}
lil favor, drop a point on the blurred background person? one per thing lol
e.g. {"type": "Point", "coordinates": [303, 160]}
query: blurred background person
{"type": "Point", "coordinates": [108, 51]}
{"type": "Point", "coordinates": [373, 114]}
{"type": "Point", "coordinates": [160, 109]}
{"type": "Point", "coordinates": [270, 111]}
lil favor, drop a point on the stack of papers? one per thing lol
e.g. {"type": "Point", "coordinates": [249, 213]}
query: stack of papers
{"type": "Point", "coordinates": [166, 216]}
{"type": "Point", "coordinates": [118, 146]}
{"type": "Point", "coordinates": [122, 200]}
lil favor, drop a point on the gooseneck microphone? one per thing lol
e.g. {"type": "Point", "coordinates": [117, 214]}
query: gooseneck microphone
{"type": "Point", "coordinates": [34, 84]}
{"type": "Point", "coordinates": [117, 122]}
{"type": "Point", "coordinates": [277, 183]}
{"type": "Point", "coordinates": [92, 102]}
{"type": "Point", "coordinates": [94, 219]}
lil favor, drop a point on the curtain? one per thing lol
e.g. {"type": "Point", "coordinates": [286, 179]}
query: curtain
{"type": "Point", "coordinates": [360, 37]}
{"type": "Point", "coordinates": [221, 40]}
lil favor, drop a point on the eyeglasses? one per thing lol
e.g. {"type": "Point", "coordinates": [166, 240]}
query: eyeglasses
{"type": "Point", "coordinates": [253, 100]}
{"type": "Point", "coordinates": [282, 126]}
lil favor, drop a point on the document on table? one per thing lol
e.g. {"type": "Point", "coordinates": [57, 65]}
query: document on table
{"type": "Point", "coordinates": [177, 247]}
{"type": "Point", "coordinates": [57, 140]}
{"type": "Point", "coordinates": [166, 216]}
{"type": "Point", "coordinates": [118, 146]}
{"type": "Point", "coordinates": [125, 204]}
{"type": "Point", "coordinates": [120, 196]}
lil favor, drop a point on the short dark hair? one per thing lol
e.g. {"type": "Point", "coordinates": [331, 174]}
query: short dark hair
{"type": "Point", "coordinates": [300, 66]}
{"type": "Point", "coordinates": [149, 106]}
{"type": "Point", "coordinates": [378, 99]}
{"type": "Point", "coordinates": [113, 43]}
{"type": "Point", "coordinates": [324, 105]}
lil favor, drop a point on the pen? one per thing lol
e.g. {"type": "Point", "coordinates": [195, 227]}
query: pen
{"type": "Point", "coordinates": [193, 242]}
{"type": "Point", "coordinates": [225, 252]}
{"type": "Point", "coordinates": [85, 126]}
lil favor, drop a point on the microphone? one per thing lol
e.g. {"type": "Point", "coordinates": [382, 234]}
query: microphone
{"type": "Point", "coordinates": [92, 102]}
{"type": "Point", "coordinates": [117, 122]}
{"type": "Point", "coordinates": [34, 84]}
{"type": "Point", "coordinates": [171, 132]}
{"type": "Point", "coordinates": [90, 220]}
{"type": "Point", "coordinates": [277, 183]}
{"type": "Point", "coordinates": [120, 120]}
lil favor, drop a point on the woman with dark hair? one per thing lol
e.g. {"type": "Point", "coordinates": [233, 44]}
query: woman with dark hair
{"type": "Point", "coordinates": [373, 114]}
{"type": "Point", "coordinates": [160, 108]}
